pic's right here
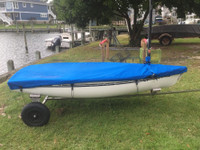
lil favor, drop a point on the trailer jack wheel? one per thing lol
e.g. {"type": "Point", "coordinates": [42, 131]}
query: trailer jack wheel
{"type": "Point", "coordinates": [35, 114]}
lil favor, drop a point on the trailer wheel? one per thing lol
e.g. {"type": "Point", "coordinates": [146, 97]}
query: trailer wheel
{"type": "Point", "coordinates": [35, 114]}
{"type": "Point", "coordinates": [165, 40]}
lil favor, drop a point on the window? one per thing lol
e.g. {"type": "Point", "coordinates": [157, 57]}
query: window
{"type": "Point", "coordinates": [2, 4]}
{"type": "Point", "coordinates": [16, 15]}
{"type": "Point", "coordinates": [174, 14]}
{"type": "Point", "coordinates": [15, 4]}
{"type": "Point", "coordinates": [43, 15]}
{"type": "Point", "coordinates": [24, 5]}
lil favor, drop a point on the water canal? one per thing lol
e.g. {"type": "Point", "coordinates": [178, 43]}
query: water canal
{"type": "Point", "coordinates": [12, 46]}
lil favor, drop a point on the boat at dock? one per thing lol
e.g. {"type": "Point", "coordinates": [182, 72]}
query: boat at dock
{"type": "Point", "coordinates": [65, 40]}
{"type": "Point", "coordinates": [62, 41]}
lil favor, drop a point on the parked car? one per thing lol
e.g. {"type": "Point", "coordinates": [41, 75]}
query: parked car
{"type": "Point", "coordinates": [158, 19]}
{"type": "Point", "coordinates": [181, 22]}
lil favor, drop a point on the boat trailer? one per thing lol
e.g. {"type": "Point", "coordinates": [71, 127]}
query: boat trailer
{"type": "Point", "coordinates": [153, 92]}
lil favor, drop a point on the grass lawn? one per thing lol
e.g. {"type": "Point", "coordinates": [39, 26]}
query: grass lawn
{"type": "Point", "coordinates": [143, 122]}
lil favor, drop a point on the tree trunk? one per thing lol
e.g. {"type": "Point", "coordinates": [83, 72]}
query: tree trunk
{"type": "Point", "coordinates": [134, 33]}
{"type": "Point", "coordinates": [137, 36]}
{"type": "Point", "coordinates": [130, 31]}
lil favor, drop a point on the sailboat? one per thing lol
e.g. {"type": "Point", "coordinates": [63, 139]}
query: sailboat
{"type": "Point", "coordinates": [89, 80]}
{"type": "Point", "coordinates": [93, 80]}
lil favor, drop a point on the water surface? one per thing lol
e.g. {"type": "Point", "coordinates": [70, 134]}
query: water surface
{"type": "Point", "coordinates": [12, 46]}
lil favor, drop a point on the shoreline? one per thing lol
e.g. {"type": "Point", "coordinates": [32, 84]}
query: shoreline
{"type": "Point", "coordinates": [31, 30]}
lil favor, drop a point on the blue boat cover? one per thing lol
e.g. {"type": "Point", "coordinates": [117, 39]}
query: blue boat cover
{"type": "Point", "coordinates": [70, 73]}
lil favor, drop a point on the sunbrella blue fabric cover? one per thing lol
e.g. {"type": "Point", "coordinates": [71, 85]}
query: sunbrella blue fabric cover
{"type": "Point", "coordinates": [70, 73]}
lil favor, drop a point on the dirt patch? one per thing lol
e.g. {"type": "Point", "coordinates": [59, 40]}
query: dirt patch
{"type": "Point", "coordinates": [4, 77]}
{"type": "Point", "coordinates": [2, 108]}
{"type": "Point", "coordinates": [195, 57]}
{"type": "Point", "coordinates": [195, 46]}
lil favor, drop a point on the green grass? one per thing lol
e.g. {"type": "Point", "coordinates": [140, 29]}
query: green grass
{"type": "Point", "coordinates": [143, 122]}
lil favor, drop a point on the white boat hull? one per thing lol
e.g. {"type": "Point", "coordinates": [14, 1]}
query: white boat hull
{"type": "Point", "coordinates": [103, 89]}
{"type": "Point", "coordinates": [65, 44]}
{"type": "Point", "coordinates": [66, 39]}
{"type": "Point", "coordinates": [49, 42]}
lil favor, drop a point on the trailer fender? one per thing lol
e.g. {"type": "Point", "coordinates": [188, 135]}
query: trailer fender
{"type": "Point", "coordinates": [165, 34]}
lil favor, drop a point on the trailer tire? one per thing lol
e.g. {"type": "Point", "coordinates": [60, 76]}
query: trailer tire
{"type": "Point", "coordinates": [165, 40]}
{"type": "Point", "coordinates": [35, 114]}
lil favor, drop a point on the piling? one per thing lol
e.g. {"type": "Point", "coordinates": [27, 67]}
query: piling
{"type": "Point", "coordinates": [76, 36]}
{"type": "Point", "coordinates": [90, 29]}
{"type": "Point", "coordinates": [93, 35]}
{"type": "Point", "coordinates": [71, 45]}
{"type": "Point", "coordinates": [60, 28]}
{"type": "Point", "coordinates": [103, 53]}
{"type": "Point", "coordinates": [63, 27]}
{"type": "Point", "coordinates": [82, 37]}
{"type": "Point", "coordinates": [57, 49]}
{"type": "Point", "coordinates": [38, 55]}
{"type": "Point", "coordinates": [17, 27]}
{"type": "Point", "coordinates": [10, 65]}
{"type": "Point", "coordinates": [90, 39]}
{"type": "Point", "coordinates": [48, 30]}
{"type": "Point", "coordinates": [32, 27]}
{"type": "Point", "coordinates": [72, 35]}
{"type": "Point", "coordinates": [116, 32]}
{"type": "Point", "coordinates": [107, 50]}
{"type": "Point", "coordinates": [25, 40]}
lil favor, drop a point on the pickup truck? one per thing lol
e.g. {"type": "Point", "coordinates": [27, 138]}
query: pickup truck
{"type": "Point", "coordinates": [166, 33]}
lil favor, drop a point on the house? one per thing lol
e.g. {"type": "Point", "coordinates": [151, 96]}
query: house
{"type": "Point", "coordinates": [25, 10]}
{"type": "Point", "coordinates": [169, 15]}
{"type": "Point", "coordinates": [131, 15]}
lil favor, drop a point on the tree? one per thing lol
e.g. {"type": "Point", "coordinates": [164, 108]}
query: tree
{"type": "Point", "coordinates": [139, 7]}
{"type": "Point", "coordinates": [183, 6]}
{"type": "Point", "coordinates": [81, 11]}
